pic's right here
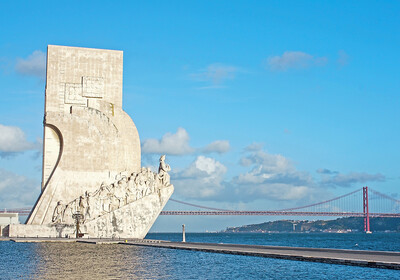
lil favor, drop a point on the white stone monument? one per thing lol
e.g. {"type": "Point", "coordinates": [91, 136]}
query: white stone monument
{"type": "Point", "coordinates": [91, 153]}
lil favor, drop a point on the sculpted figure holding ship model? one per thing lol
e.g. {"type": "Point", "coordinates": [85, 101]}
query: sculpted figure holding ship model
{"type": "Point", "coordinates": [163, 170]}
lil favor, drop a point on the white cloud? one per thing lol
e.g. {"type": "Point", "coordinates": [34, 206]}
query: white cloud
{"type": "Point", "coordinates": [277, 191]}
{"type": "Point", "coordinates": [33, 65]}
{"type": "Point", "coordinates": [326, 171]}
{"type": "Point", "coordinates": [254, 147]}
{"type": "Point", "coordinates": [17, 190]}
{"type": "Point", "coordinates": [294, 60]}
{"type": "Point", "coordinates": [201, 179]}
{"type": "Point", "coordinates": [215, 74]}
{"type": "Point", "coordinates": [272, 177]}
{"type": "Point", "coordinates": [178, 144]}
{"type": "Point", "coordinates": [336, 179]}
{"type": "Point", "coordinates": [219, 146]}
{"type": "Point", "coordinates": [13, 140]}
{"type": "Point", "coordinates": [267, 163]}
{"type": "Point", "coordinates": [171, 144]}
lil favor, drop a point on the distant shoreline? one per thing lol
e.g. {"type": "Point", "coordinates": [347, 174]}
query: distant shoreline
{"type": "Point", "coordinates": [340, 225]}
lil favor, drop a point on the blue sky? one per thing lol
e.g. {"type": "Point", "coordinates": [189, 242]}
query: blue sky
{"type": "Point", "coordinates": [269, 104]}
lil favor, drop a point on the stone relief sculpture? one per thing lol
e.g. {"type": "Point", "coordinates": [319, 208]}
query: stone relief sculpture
{"type": "Point", "coordinates": [163, 170]}
{"type": "Point", "coordinates": [58, 213]}
{"type": "Point", "coordinates": [108, 198]}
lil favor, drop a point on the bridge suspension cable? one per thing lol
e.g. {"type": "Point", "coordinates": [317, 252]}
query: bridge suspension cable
{"type": "Point", "coordinates": [323, 202]}
{"type": "Point", "coordinates": [282, 210]}
{"type": "Point", "coordinates": [350, 204]}
{"type": "Point", "coordinates": [198, 206]}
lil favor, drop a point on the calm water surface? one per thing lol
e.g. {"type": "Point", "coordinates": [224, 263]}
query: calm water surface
{"type": "Point", "coordinates": [87, 261]}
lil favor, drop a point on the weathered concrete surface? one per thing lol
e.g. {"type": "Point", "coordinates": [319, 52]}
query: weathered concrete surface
{"type": "Point", "coordinates": [88, 138]}
{"type": "Point", "coordinates": [49, 230]}
{"type": "Point", "coordinates": [43, 240]}
{"type": "Point", "coordinates": [80, 240]}
{"type": "Point", "coordinates": [91, 153]}
{"type": "Point", "coordinates": [378, 259]}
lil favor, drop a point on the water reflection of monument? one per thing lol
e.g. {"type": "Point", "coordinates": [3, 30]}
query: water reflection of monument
{"type": "Point", "coordinates": [91, 153]}
{"type": "Point", "coordinates": [88, 261]}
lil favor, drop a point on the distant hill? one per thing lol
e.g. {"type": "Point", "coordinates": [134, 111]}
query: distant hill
{"type": "Point", "coordinates": [349, 224]}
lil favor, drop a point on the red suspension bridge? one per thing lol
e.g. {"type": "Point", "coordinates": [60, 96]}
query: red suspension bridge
{"type": "Point", "coordinates": [364, 202]}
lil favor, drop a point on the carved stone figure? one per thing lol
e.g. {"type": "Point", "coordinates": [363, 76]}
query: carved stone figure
{"type": "Point", "coordinates": [140, 178]}
{"type": "Point", "coordinates": [113, 202]}
{"type": "Point", "coordinates": [58, 213]}
{"type": "Point", "coordinates": [163, 170]}
{"type": "Point", "coordinates": [81, 204]}
{"type": "Point", "coordinates": [87, 213]}
{"type": "Point", "coordinates": [120, 189]}
{"type": "Point", "coordinates": [104, 197]}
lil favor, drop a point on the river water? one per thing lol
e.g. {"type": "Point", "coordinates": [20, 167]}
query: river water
{"type": "Point", "coordinates": [87, 261]}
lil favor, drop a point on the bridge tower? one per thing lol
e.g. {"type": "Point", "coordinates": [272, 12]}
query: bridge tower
{"type": "Point", "coordinates": [366, 210]}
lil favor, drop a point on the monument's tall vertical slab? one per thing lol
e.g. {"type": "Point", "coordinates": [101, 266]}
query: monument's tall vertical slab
{"type": "Point", "coordinates": [91, 149]}
{"type": "Point", "coordinates": [88, 138]}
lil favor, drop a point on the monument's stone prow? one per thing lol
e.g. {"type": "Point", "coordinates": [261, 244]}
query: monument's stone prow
{"type": "Point", "coordinates": [91, 150]}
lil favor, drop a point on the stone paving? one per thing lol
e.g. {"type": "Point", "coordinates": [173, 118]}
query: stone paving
{"type": "Point", "coordinates": [379, 259]}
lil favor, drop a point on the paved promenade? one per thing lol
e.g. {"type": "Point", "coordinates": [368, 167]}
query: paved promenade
{"type": "Point", "coordinates": [377, 259]}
